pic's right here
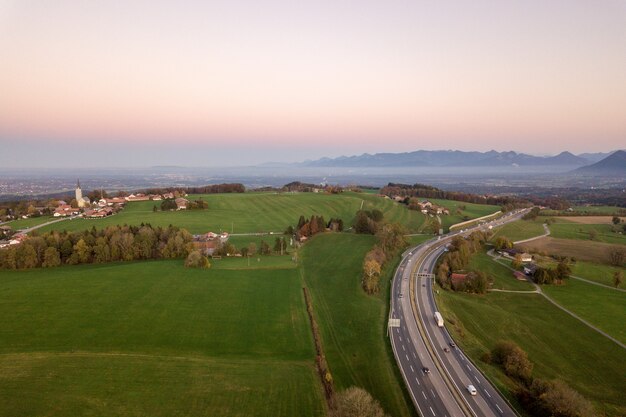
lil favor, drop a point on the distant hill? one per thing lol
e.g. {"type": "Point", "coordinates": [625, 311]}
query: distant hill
{"type": "Point", "coordinates": [614, 164]}
{"type": "Point", "coordinates": [448, 158]}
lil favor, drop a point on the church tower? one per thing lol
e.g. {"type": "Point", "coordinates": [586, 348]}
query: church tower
{"type": "Point", "coordinates": [79, 195]}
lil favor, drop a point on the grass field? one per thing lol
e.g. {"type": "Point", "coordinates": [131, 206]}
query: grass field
{"type": "Point", "coordinates": [253, 212]}
{"type": "Point", "coordinates": [559, 345]}
{"type": "Point", "coordinates": [602, 307]}
{"type": "Point", "coordinates": [30, 222]}
{"type": "Point", "coordinates": [503, 278]}
{"type": "Point", "coordinates": [519, 230]}
{"type": "Point", "coordinates": [595, 272]}
{"type": "Point", "coordinates": [458, 214]}
{"type": "Point", "coordinates": [570, 230]}
{"type": "Point", "coordinates": [353, 323]}
{"type": "Point", "coordinates": [608, 210]}
{"type": "Point", "coordinates": [156, 339]}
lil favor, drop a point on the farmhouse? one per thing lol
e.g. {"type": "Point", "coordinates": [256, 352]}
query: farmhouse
{"type": "Point", "coordinates": [65, 210]}
{"type": "Point", "coordinates": [181, 203]}
{"type": "Point", "coordinates": [456, 278]}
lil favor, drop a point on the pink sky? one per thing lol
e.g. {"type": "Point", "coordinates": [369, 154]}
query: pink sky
{"type": "Point", "coordinates": [533, 76]}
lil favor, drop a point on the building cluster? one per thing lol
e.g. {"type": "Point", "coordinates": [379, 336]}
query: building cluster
{"type": "Point", "coordinates": [108, 206]}
{"type": "Point", "coordinates": [425, 206]}
{"type": "Point", "coordinates": [11, 239]}
{"type": "Point", "coordinates": [208, 243]}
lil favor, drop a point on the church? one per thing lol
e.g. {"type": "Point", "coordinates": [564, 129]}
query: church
{"type": "Point", "coordinates": [82, 201]}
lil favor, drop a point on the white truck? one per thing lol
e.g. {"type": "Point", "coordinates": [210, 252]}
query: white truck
{"type": "Point", "coordinates": [438, 319]}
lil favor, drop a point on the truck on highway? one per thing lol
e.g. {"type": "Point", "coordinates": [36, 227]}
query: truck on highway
{"type": "Point", "coordinates": [438, 319]}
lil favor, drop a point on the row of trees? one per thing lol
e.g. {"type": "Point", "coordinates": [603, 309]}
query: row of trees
{"type": "Point", "coordinates": [427, 191]}
{"type": "Point", "coordinates": [314, 225]}
{"type": "Point", "coordinates": [391, 239]}
{"type": "Point", "coordinates": [539, 397]}
{"type": "Point", "coordinates": [457, 258]}
{"type": "Point", "coordinates": [206, 189]}
{"type": "Point", "coordinates": [170, 204]}
{"type": "Point", "coordinates": [114, 243]}
{"type": "Point", "coordinates": [554, 275]}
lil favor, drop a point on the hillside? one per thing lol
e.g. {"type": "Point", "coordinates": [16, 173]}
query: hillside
{"type": "Point", "coordinates": [614, 164]}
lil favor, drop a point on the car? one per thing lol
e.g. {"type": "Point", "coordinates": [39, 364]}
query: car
{"type": "Point", "coordinates": [446, 349]}
{"type": "Point", "coordinates": [425, 370]}
{"type": "Point", "coordinates": [452, 344]}
{"type": "Point", "coordinates": [423, 285]}
{"type": "Point", "coordinates": [471, 390]}
{"type": "Point", "coordinates": [400, 295]}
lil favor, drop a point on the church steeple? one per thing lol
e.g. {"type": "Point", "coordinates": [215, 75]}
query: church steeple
{"type": "Point", "coordinates": [78, 183]}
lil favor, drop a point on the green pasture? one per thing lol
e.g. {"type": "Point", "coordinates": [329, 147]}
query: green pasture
{"type": "Point", "coordinates": [29, 222]}
{"type": "Point", "coordinates": [519, 230]}
{"type": "Point", "coordinates": [155, 338]}
{"type": "Point", "coordinates": [596, 272]}
{"type": "Point", "coordinates": [559, 345]}
{"type": "Point", "coordinates": [603, 232]}
{"type": "Point", "coordinates": [352, 322]}
{"type": "Point", "coordinates": [502, 276]}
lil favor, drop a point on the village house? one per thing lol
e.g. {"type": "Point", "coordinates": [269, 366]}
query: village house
{"type": "Point", "coordinates": [65, 210]}
{"type": "Point", "coordinates": [181, 203]}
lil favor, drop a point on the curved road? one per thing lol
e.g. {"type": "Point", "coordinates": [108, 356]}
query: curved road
{"type": "Point", "coordinates": [418, 342]}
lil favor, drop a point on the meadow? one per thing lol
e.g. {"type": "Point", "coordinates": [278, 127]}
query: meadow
{"type": "Point", "coordinates": [353, 323]}
{"type": "Point", "coordinates": [589, 251]}
{"type": "Point", "coordinates": [252, 212]}
{"type": "Point", "coordinates": [595, 272]}
{"type": "Point", "coordinates": [605, 308]}
{"type": "Point", "coordinates": [20, 224]}
{"type": "Point", "coordinates": [520, 230]}
{"type": "Point", "coordinates": [156, 339]}
{"type": "Point", "coordinates": [559, 345]}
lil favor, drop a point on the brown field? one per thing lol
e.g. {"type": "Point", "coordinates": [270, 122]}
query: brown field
{"type": "Point", "coordinates": [590, 219]}
{"type": "Point", "coordinates": [579, 249]}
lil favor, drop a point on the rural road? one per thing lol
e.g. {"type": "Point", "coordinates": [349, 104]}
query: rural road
{"type": "Point", "coordinates": [418, 342]}
{"type": "Point", "coordinates": [547, 233]}
{"type": "Point", "coordinates": [30, 229]}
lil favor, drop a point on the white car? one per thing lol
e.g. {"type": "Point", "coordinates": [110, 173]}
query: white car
{"type": "Point", "coordinates": [472, 390]}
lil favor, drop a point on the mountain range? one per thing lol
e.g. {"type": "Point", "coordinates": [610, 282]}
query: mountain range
{"type": "Point", "coordinates": [450, 158]}
{"type": "Point", "coordinates": [614, 164]}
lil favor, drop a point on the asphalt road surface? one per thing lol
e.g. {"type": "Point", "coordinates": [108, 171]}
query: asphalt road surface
{"type": "Point", "coordinates": [419, 343]}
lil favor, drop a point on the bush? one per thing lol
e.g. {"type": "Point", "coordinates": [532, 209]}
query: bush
{"type": "Point", "coordinates": [356, 402]}
{"type": "Point", "coordinates": [513, 360]}
{"type": "Point", "coordinates": [196, 260]}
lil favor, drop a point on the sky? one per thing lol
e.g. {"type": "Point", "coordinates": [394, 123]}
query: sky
{"type": "Point", "coordinates": [223, 83]}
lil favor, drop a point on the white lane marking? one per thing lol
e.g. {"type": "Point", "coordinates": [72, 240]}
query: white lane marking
{"type": "Point", "coordinates": [468, 368]}
{"type": "Point", "coordinates": [400, 337]}
{"type": "Point", "coordinates": [397, 330]}
{"type": "Point", "coordinates": [414, 355]}
{"type": "Point", "coordinates": [412, 370]}
{"type": "Point", "coordinates": [431, 410]}
{"type": "Point", "coordinates": [476, 379]}
{"type": "Point", "coordinates": [418, 381]}
{"type": "Point", "coordinates": [424, 395]}
{"type": "Point", "coordinates": [499, 409]}
{"type": "Point", "coordinates": [433, 392]}
{"type": "Point", "coordinates": [403, 348]}
{"type": "Point", "coordinates": [407, 357]}
{"type": "Point", "coordinates": [487, 392]}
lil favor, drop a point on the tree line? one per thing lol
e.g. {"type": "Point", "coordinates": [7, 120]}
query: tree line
{"type": "Point", "coordinates": [206, 189]}
{"type": "Point", "coordinates": [390, 240]}
{"type": "Point", "coordinates": [427, 191]}
{"type": "Point", "coordinates": [457, 258]}
{"type": "Point", "coordinates": [314, 225]}
{"type": "Point", "coordinates": [111, 244]}
{"type": "Point", "coordinates": [539, 397]}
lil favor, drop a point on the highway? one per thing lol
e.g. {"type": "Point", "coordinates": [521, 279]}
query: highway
{"type": "Point", "coordinates": [418, 342]}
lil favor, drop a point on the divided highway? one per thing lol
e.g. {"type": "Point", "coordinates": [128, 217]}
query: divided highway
{"type": "Point", "coordinates": [435, 372]}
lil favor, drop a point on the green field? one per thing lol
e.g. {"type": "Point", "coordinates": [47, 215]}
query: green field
{"type": "Point", "coordinates": [30, 222]}
{"type": "Point", "coordinates": [603, 307]}
{"type": "Point", "coordinates": [503, 278]}
{"type": "Point", "coordinates": [596, 210]}
{"type": "Point", "coordinates": [353, 323]}
{"type": "Point", "coordinates": [595, 272]}
{"type": "Point", "coordinates": [156, 339]}
{"type": "Point", "coordinates": [568, 230]}
{"type": "Point", "coordinates": [253, 212]}
{"type": "Point", "coordinates": [519, 230]}
{"type": "Point", "coordinates": [559, 345]}
{"type": "Point", "coordinates": [459, 214]}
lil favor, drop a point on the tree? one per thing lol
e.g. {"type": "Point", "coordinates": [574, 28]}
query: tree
{"type": "Point", "coordinates": [25, 256]}
{"type": "Point", "coordinates": [557, 399]}
{"type": "Point", "coordinates": [617, 256]}
{"type": "Point", "coordinates": [83, 252]}
{"type": "Point", "coordinates": [502, 242]}
{"type": "Point", "coordinates": [517, 262]}
{"type": "Point", "coordinates": [51, 258]}
{"type": "Point", "coordinates": [251, 249]}
{"type": "Point", "coordinates": [154, 208]}
{"type": "Point", "coordinates": [513, 360]}
{"type": "Point", "coordinates": [195, 259]}
{"type": "Point", "coordinates": [265, 248]}
{"type": "Point", "coordinates": [593, 234]}
{"type": "Point", "coordinates": [563, 271]}
{"type": "Point", "coordinates": [356, 402]}
{"type": "Point", "coordinates": [168, 204]}
{"type": "Point", "coordinates": [616, 220]}
{"type": "Point", "coordinates": [618, 278]}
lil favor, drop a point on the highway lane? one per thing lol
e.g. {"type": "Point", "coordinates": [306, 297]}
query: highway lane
{"type": "Point", "coordinates": [450, 372]}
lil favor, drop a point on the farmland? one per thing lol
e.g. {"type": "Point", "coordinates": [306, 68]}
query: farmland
{"type": "Point", "coordinates": [589, 251]}
{"type": "Point", "coordinates": [353, 323]}
{"type": "Point", "coordinates": [154, 338]}
{"type": "Point", "coordinates": [252, 212]}
{"type": "Point", "coordinates": [520, 230]}
{"type": "Point", "coordinates": [595, 272]}
{"type": "Point", "coordinates": [559, 345]}
{"type": "Point", "coordinates": [602, 307]}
